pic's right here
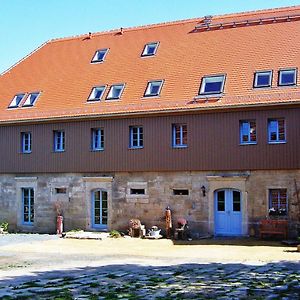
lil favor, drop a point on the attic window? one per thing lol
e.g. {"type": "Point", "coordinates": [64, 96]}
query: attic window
{"type": "Point", "coordinates": [153, 88]}
{"type": "Point", "coordinates": [99, 55]}
{"type": "Point", "coordinates": [96, 93]}
{"type": "Point", "coordinates": [287, 77]}
{"type": "Point", "coordinates": [212, 85]}
{"type": "Point", "coordinates": [16, 100]}
{"type": "Point", "coordinates": [150, 49]}
{"type": "Point", "coordinates": [263, 79]}
{"type": "Point", "coordinates": [115, 91]}
{"type": "Point", "coordinates": [31, 98]}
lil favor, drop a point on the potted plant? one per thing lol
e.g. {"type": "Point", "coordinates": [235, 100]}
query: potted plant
{"type": "Point", "coordinates": [3, 227]}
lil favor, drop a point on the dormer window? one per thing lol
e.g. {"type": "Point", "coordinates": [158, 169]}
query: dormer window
{"type": "Point", "coordinates": [15, 102]}
{"type": "Point", "coordinates": [31, 98]}
{"type": "Point", "coordinates": [262, 79]}
{"type": "Point", "coordinates": [287, 77]}
{"type": "Point", "coordinates": [153, 88]}
{"type": "Point", "coordinates": [115, 91]}
{"type": "Point", "coordinates": [150, 49]}
{"type": "Point", "coordinates": [99, 55]}
{"type": "Point", "coordinates": [96, 93]}
{"type": "Point", "coordinates": [212, 85]}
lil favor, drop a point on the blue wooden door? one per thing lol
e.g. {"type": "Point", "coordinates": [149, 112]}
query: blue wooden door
{"type": "Point", "coordinates": [99, 209]}
{"type": "Point", "coordinates": [228, 212]}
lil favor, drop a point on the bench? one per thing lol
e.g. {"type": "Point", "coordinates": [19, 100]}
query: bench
{"type": "Point", "coordinates": [273, 227]}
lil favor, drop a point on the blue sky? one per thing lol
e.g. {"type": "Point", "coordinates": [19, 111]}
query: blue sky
{"type": "Point", "coordinates": [26, 24]}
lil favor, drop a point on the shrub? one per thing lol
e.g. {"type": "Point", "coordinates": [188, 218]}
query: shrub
{"type": "Point", "coordinates": [4, 226]}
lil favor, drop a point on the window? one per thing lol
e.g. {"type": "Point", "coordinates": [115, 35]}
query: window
{"type": "Point", "coordinates": [212, 85]}
{"type": "Point", "coordinates": [26, 142]}
{"type": "Point", "coordinates": [97, 139]}
{"type": "Point", "coordinates": [115, 91]}
{"type": "Point", "coordinates": [150, 49]}
{"type": "Point", "coordinates": [60, 190]}
{"type": "Point", "coordinates": [31, 98]}
{"type": "Point", "coordinates": [179, 135]}
{"type": "Point", "coordinates": [287, 77]}
{"type": "Point", "coordinates": [153, 88]}
{"type": "Point", "coordinates": [180, 192]}
{"type": "Point", "coordinates": [248, 132]}
{"type": "Point", "coordinates": [278, 202]}
{"type": "Point", "coordinates": [263, 79]}
{"type": "Point", "coordinates": [136, 138]}
{"type": "Point", "coordinates": [96, 93]}
{"type": "Point", "coordinates": [59, 141]}
{"type": "Point", "coordinates": [276, 130]}
{"type": "Point", "coordinates": [28, 205]}
{"type": "Point", "coordinates": [15, 102]}
{"type": "Point", "coordinates": [137, 191]}
{"type": "Point", "coordinates": [99, 55]}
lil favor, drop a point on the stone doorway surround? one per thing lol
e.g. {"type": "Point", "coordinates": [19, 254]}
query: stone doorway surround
{"type": "Point", "coordinates": [227, 181]}
{"type": "Point", "coordinates": [94, 183]}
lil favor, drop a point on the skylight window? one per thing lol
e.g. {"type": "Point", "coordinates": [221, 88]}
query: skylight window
{"type": "Point", "coordinates": [31, 98]}
{"type": "Point", "coordinates": [153, 88]}
{"type": "Point", "coordinates": [115, 91]}
{"type": "Point", "coordinates": [263, 79]}
{"type": "Point", "coordinates": [96, 93]}
{"type": "Point", "coordinates": [287, 77]}
{"type": "Point", "coordinates": [99, 55]}
{"type": "Point", "coordinates": [150, 49]}
{"type": "Point", "coordinates": [212, 85]}
{"type": "Point", "coordinates": [15, 102]}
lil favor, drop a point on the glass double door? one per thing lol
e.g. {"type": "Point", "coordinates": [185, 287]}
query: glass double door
{"type": "Point", "coordinates": [99, 209]}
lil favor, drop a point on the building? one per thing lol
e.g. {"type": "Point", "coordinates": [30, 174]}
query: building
{"type": "Point", "coordinates": [201, 115]}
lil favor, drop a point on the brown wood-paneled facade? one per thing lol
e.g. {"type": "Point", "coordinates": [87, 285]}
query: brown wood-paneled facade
{"type": "Point", "coordinates": [213, 144]}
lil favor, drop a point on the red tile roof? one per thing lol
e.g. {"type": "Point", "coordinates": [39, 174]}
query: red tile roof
{"type": "Point", "coordinates": [62, 71]}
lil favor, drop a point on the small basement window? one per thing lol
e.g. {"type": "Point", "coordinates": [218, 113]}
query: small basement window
{"type": "Point", "coordinates": [15, 102]}
{"type": "Point", "coordinates": [137, 191]}
{"type": "Point", "coordinates": [263, 79]}
{"type": "Point", "coordinates": [60, 190]}
{"type": "Point", "coordinates": [212, 85]}
{"type": "Point", "coordinates": [31, 98]}
{"type": "Point", "coordinates": [99, 55]}
{"type": "Point", "coordinates": [153, 88]}
{"type": "Point", "coordinates": [150, 49]}
{"type": "Point", "coordinates": [115, 91]}
{"type": "Point", "coordinates": [180, 192]}
{"type": "Point", "coordinates": [96, 93]}
{"type": "Point", "coordinates": [287, 77]}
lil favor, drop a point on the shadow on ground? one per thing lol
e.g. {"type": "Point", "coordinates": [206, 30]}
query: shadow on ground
{"type": "Point", "coordinates": [185, 281]}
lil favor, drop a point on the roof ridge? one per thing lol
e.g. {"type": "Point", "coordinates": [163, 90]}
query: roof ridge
{"type": "Point", "coordinates": [177, 22]}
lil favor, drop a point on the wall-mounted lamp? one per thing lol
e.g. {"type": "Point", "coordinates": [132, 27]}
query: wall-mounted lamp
{"type": "Point", "coordinates": [203, 189]}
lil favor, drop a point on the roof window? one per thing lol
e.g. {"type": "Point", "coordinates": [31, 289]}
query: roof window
{"type": "Point", "coordinates": [262, 79]}
{"type": "Point", "coordinates": [31, 98]}
{"type": "Point", "coordinates": [150, 49]}
{"type": "Point", "coordinates": [287, 77]}
{"type": "Point", "coordinates": [96, 93]}
{"type": "Point", "coordinates": [115, 91]}
{"type": "Point", "coordinates": [153, 88]}
{"type": "Point", "coordinates": [15, 102]}
{"type": "Point", "coordinates": [99, 55]}
{"type": "Point", "coordinates": [212, 85]}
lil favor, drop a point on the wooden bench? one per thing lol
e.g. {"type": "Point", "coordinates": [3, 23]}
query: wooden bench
{"type": "Point", "coordinates": [273, 227]}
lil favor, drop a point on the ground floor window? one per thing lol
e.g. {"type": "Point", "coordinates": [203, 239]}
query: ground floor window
{"type": "Point", "coordinates": [28, 205]}
{"type": "Point", "coordinates": [278, 202]}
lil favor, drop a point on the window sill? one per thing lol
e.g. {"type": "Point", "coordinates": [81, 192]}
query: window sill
{"type": "Point", "coordinates": [92, 100]}
{"type": "Point", "coordinates": [97, 62]}
{"type": "Point", "coordinates": [113, 99]}
{"type": "Point", "coordinates": [134, 148]}
{"type": "Point", "coordinates": [58, 151]}
{"type": "Point", "coordinates": [247, 144]}
{"type": "Point", "coordinates": [29, 152]}
{"type": "Point", "coordinates": [147, 55]}
{"type": "Point", "coordinates": [150, 96]}
{"type": "Point", "coordinates": [276, 142]}
{"type": "Point", "coordinates": [97, 150]}
{"type": "Point", "coordinates": [179, 146]}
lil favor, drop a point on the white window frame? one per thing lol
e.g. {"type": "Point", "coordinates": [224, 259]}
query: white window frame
{"type": "Point", "coordinates": [146, 49]}
{"type": "Point", "coordinates": [280, 72]}
{"type": "Point", "coordinates": [14, 103]}
{"type": "Point", "coordinates": [29, 101]}
{"type": "Point", "coordinates": [205, 80]}
{"type": "Point", "coordinates": [279, 204]}
{"type": "Point", "coordinates": [97, 139]}
{"type": "Point", "coordinates": [26, 142]}
{"type": "Point", "coordinates": [139, 132]}
{"type": "Point", "coordinates": [150, 85]}
{"type": "Point", "coordinates": [30, 205]}
{"type": "Point", "coordinates": [95, 57]}
{"type": "Point", "coordinates": [248, 133]}
{"type": "Point", "coordinates": [277, 141]}
{"type": "Point", "coordinates": [93, 93]}
{"type": "Point", "coordinates": [111, 91]}
{"type": "Point", "coordinates": [256, 75]}
{"type": "Point", "coordinates": [181, 132]}
{"type": "Point", "coordinates": [59, 141]}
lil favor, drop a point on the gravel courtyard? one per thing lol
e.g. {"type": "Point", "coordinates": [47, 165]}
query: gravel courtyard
{"type": "Point", "coordinates": [48, 267]}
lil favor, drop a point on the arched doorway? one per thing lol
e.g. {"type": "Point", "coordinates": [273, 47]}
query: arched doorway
{"type": "Point", "coordinates": [99, 209]}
